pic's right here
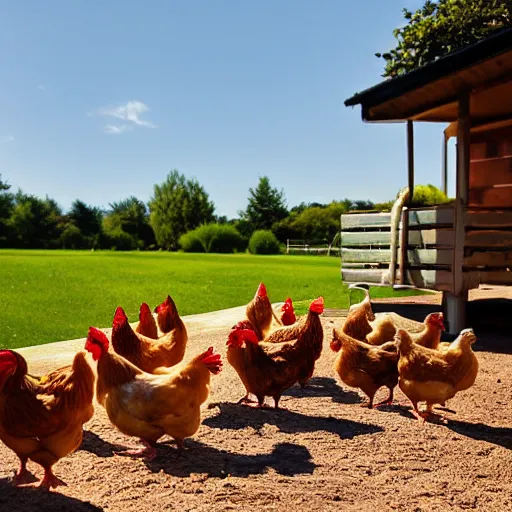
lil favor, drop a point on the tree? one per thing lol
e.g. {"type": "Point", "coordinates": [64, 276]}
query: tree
{"type": "Point", "coordinates": [441, 27]}
{"type": "Point", "coordinates": [178, 205]}
{"type": "Point", "coordinates": [6, 206]}
{"type": "Point", "coordinates": [130, 216]}
{"type": "Point", "coordinates": [34, 223]}
{"type": "Point", "coordinates": [88, 219]}
{"type": "Point", "coordinates": [266, 206]}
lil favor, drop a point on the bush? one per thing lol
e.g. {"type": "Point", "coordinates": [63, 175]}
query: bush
{"type": "Point", "coordinates": [264, 242]}
{"type": "Point", "coordinates": [428, 195]}
{"type": "Point", "coordinates": [72, 238]}
{"type": "Point", "coordinates": [219, 238]}
{"type": "Point", "coordinates": [119, 240]}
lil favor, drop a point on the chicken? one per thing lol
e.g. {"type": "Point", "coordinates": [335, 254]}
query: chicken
{"type": "Point", "coordinates": [148, 354]}
{"type": "Point", "coordinates": [288, 313]}
{"type": "Point", "coordinates": [268, 369]}
{"type": "Point", "coordinates": [42, 421]}
{"type": "Point", "coordinates": [364, 366]}
{"type": "Point", "coordinates": [434, 376]}
{"type": "Point", "coordinates": [147, 323]}
{"type": "Point", "coordinates": [169, 321]}
{"type": "Point", "coordinates": [149, 406]}
{"type": "Point", "coordinates": [259, 313]}
{"type": "Point", "coordinates": [430, 336]}
{"type": "Point", "coordinates": [357, 324]}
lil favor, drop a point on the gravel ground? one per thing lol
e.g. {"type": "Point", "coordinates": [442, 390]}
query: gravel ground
{"type": "Point", "coordinates": [324, 453]}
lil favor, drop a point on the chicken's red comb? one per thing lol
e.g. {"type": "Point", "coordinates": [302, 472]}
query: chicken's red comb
{"type": "Point", "coordinates": [288, 305]}
{"type": "Point", "coordinates": [262, 291]}
{"type": "Point", "coordinates": [7, 359]}
{"type": "Point", "coordinates": [166, 304]}
{"type": "Point", "coordinates": [317, 306]}
{"type": "Point", "coordinates": [212, 361]}
{"type": "Point", "coordinates": [248, 335]}
{"type": "Point", "coordinates": [119, 317]}
{"type": "Point", "coordinates": [97, 342]}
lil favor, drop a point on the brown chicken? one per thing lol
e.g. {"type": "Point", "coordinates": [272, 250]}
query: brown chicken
{"type": "Point", "coordinates": [271, 368]}
{"type": "Point", "coordinates": [259, 313]}
{"type": "Point", "coordinates": [150, 355]}
{"type": "Point", "coordinates": [149, 406]}
{"type": "Point", "coordinates": [429, 336]}
{"type": "Point", "coordinates": [434, 376]}
{"type": "Point", "coordinates": [147, 323]}
{"type": "Point", "coordinates": [42, 421]}
{"type": "Point", "coordinates": [365, 366]}
{"type": "Point", "coordinates": [288, 313]}
{"type": "Point", "coordinates": [169, 321]}
{"type": "Point", "coordinates": [357, 324]}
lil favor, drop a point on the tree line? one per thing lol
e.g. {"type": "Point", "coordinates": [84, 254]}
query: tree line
{"type": "Point", "coordinates": [178, 206]}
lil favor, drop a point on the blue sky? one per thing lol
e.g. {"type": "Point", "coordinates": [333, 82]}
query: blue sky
{"type": "Point", "coordinates": [99, 100]}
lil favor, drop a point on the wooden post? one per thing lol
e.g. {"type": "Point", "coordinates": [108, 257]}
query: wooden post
{"type": "Point", "coordinates": [456, 301]}
{"type": "Point", "coordinates": [410, 159]}
{"type": "Point", "coordinates": [444, 176]}
{"type": "Point", "coordinates": [404, 239]}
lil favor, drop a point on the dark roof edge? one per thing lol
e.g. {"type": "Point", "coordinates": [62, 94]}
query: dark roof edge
{"type": "Point", "coordinates": [451, 63]}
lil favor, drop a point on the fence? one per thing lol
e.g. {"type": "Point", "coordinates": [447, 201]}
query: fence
{"type": "Point", "coordinates": [318, 247]}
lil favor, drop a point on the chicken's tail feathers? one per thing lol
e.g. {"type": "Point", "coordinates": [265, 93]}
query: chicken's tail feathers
{"type": "Point", "coordinates": [144, 311]}
{"type": "Point", "coordinates": [211, 360]}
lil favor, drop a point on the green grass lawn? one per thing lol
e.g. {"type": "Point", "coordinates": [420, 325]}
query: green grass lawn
{"type": "Point", "coordinates": [49, 296]}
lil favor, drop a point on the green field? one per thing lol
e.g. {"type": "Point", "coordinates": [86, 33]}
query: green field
{"type": "Point", "coordinates": [49, 296]}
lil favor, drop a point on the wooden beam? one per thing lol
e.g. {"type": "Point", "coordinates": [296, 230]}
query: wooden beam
{"type": "Point", "coordinates": [410, 159]}
{"type": "Point", "coordinates": [463, 143]}
{"type": "Point", "coordinates": [365, 220]}
{"type": "Point", "coordinates": [404, 236]}
{"type": "Point", "coordinates": [455, 301]}
{"type": "Point", "coordinates": [444, 176]}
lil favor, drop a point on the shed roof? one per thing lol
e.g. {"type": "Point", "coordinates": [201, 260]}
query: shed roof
{"type": "Point", "coordinates": [430, 93]}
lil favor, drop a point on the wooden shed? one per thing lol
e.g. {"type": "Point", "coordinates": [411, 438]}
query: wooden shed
{"type": "Point", "coordinates": [468, 242]}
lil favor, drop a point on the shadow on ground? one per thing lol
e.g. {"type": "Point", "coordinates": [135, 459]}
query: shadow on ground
{"type": "Point", "coordinates": [286, 459]}
{"type": "Point", "coordinates": [490, 318]}
{"type": "Point", "coordinates": [324, 386]}
{"type": "Point", "coordinates": [501, 436]}
{"type": "Point", "coordinates": [232, 417]}
{"type": "Point", "coordinates": [93, 443]}
{"type": "Point", "coordinates": [28, 499]}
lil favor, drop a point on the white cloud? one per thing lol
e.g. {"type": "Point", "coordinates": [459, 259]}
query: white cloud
{"type": "Point", "coordinates": [41, 87]}
{"type": "Point", "coordinates": [116, 129]}
{"type": "Point", "coordinates": [130, 112]}
{"type": "Point", "coordinates": [6, 138]}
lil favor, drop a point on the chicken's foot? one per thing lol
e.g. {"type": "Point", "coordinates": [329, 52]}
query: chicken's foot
{"type": "Point", "coordinates": [148, 452]}
{"type": "Point", "coordinates": [245, 400]}
{"type": "Point", "coordinates": [368, 404]}
{"type": "Point", "coordinates": [23, 476]}
{"type": "Point", "coordinates": [388, 401]}
{"type": "Point", "coordinates": [50, 480]}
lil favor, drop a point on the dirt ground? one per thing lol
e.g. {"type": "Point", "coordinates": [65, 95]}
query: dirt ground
{"type": "Point", "coordinates": [324, 453]}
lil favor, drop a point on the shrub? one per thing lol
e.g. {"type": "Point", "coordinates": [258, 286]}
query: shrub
{"type": "Point", "coordinates": [264, 242]}
{"type": "Point", "coordinates": [428, 195]}
{"type": "Point", "coordinates": [119, 240]}
{"type": "Point", "coordinates": [219, 238]}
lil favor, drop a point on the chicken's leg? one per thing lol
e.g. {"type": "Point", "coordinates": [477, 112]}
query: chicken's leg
{"type": "Point", "coordinates": [433, 416]}
{"type": "Point", "coordinates": [50, 480]}
{"type": "Point", "coordinates": [148, 452]}
{"type": "Point", "coordinates": [417, 414]}
{"type": "Point", "coordinates": [389, 399]}
{"type": "Point", "coordinates": [245, 400]}
{"type": "Point", "coordinates": [23, 476]}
